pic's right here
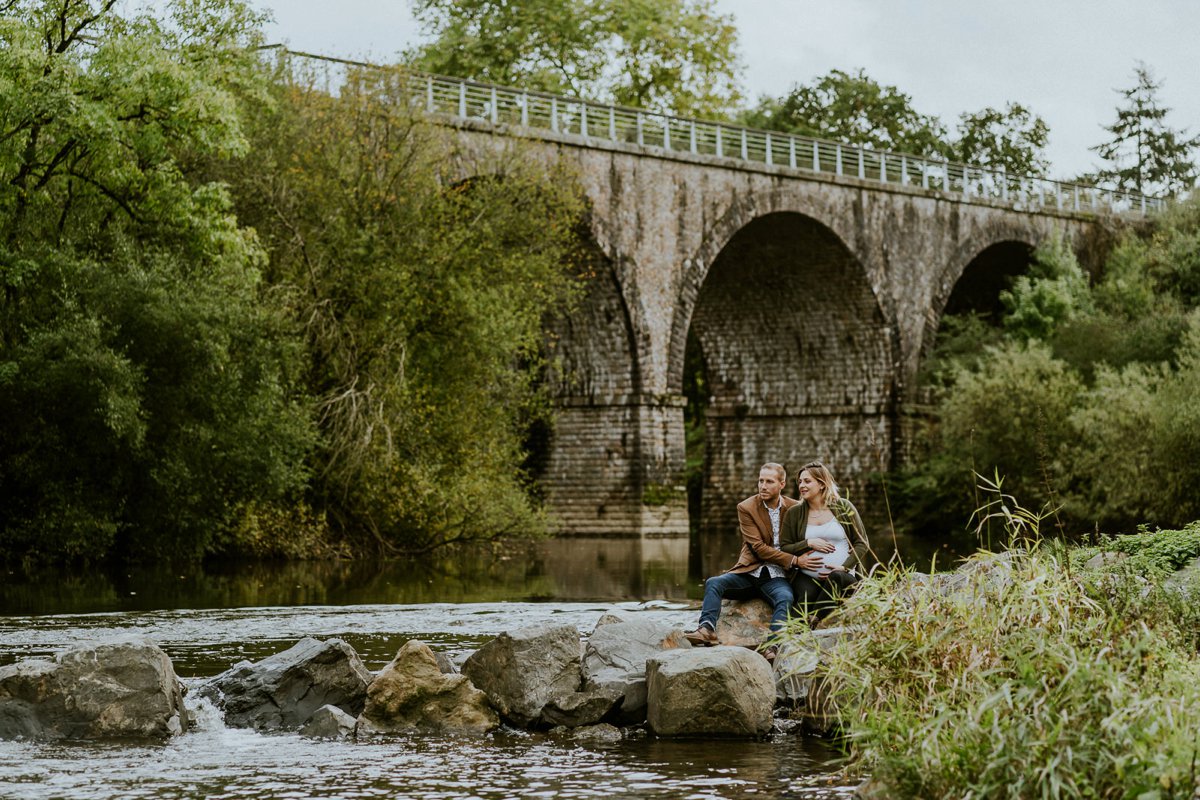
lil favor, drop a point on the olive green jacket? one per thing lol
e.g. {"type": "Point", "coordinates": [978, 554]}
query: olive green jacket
{"type": "Point", "coordinates": [793, 529]}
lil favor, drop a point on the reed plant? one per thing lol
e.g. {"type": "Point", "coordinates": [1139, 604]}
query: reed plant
{"type": "Point", "coordinates": [1018, 677]}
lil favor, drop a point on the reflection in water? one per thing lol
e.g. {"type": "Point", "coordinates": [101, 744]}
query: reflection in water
{"type": "Point", "coordinates": [556, 569]}
{"type": "Point", "coordinates": [572, 569]}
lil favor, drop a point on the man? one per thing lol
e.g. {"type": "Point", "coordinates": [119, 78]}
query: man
{"type": "Point", "coordinates": [761, 565]}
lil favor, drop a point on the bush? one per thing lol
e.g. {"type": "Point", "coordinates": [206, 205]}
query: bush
{"type": "Point", "coordinates": [1024, 683]}
{"type": "Point", "coordinates": [1153, 553]}
{"type": "Point", "coordinates": [1010, 414]}
{"type": "Point", "coordinates": [422, 274]}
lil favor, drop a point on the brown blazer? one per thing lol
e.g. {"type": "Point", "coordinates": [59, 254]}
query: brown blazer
{"type": "Point", "coordinates": [758, 543]}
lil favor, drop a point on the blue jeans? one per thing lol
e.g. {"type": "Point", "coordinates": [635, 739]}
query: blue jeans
{"type": "Point", "coordinates": [777, 591]}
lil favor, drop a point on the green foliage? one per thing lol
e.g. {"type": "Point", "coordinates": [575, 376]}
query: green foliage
{"type": "Point", "coordinates": [1155, 553]}
{"type": "Point", "coordinates": [264, 532]}
{"type": "Point", "coordinates": [1121, 447]}
{"type": "Point", "coordinates": [660, 494]}
{"type": "Point", "coordinates": [669, 55]}
{"type": "Point", "coordinates": [960, 346]}
{"type": "Point", "coordinates": [852, 107]}
{"type": "Point", "coordinates": [1054, 291]}
{"type": "Point", "coordinates": [1014, 139]}
{"type": "Point", "coordinates": [422, 275]}
{"type": "Point", "coordinates": [1012, 679]}
{"type": "Point", "coordinates": [147, 382]}
{"type": "Point", "coordinates": [1008, 415]}
{"type": "Point", "coordinates": [1144, 155]}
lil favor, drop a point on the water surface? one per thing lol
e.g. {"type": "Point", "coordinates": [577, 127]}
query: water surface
{"type": "Point", "coordinates": [207, 620]}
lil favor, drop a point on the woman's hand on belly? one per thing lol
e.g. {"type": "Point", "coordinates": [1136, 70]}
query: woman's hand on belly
{"type": "Point", "coordinates": [820, 545]}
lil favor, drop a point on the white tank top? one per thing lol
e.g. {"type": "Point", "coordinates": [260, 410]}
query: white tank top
{"type": "Point", "coordinates": [835, 534]}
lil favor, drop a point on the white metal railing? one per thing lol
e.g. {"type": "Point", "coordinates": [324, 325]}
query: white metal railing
{"type": "Point", "coordinates": [534, 111]}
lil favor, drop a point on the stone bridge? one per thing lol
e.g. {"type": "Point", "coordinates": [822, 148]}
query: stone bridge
{"type": "Point", "coordinates": [807, 287]}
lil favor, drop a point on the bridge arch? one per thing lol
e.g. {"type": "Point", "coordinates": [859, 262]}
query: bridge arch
{"type": "Point", "coordinates": [978, 269]}
{"type": "Point", "coordinates": [797, 355]}
{"type": "Point", "coordinates": [593, 475]}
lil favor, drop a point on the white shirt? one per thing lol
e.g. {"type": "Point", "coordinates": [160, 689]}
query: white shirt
{"type": "Point", "coordinates": [832, 532]}
{"type": "Point", "coordinates": [775, 513]}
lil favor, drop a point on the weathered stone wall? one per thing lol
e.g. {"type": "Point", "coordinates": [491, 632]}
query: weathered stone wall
{"type": "Point", "coordinates": [813, 299]}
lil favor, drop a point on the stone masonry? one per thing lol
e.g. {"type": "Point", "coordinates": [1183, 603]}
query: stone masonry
{"type": "Point", "coordinates": [812, 299]}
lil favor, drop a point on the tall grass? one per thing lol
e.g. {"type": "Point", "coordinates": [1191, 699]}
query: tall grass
{"type": "Point", "coordinates": [1015, 677]}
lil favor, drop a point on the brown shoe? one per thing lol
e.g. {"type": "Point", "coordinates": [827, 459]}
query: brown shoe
{"type": "Point", "coordinates": [703, 636]}
{"type": "Point", "coordinates": [770, 654]}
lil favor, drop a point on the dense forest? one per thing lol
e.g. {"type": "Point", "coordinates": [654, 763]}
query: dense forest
{"type": "Point", "coordinates": [241, 315]}
{"type": "Point", "coordinates": [244, 314]}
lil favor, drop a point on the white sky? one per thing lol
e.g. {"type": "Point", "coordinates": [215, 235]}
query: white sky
{"type": "Point", "coordinates": [1061, 58]}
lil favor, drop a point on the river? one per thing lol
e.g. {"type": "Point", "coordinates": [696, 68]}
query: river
{"type": "Point", "coordinates": [207, 620]}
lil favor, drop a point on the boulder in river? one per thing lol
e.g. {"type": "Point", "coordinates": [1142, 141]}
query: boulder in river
{"type": "Point", "coordinates": [118, 689]}
{"type": "Point", "coordinates": [521, 672]}
{"type": "Point", "coordinates": [591, 734]}
{"type": "Point", "coordinates": [329, 722]}
{"type": "Point", "coordinates": [282, 691]}
{"type": "Point", "coordinates": [585, 707]}
{"type": "Point", "coordinates": [713, 691]}
{"type": "Point", "coordinates": [615, 655]}
{"type": "Point", "coordinates": [413, 693]}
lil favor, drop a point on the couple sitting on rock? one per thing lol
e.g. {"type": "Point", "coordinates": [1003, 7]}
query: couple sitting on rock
{"type": "Point", "coordinates": [795, 553]}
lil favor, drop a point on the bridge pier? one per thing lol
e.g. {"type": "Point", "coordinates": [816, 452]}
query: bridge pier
{"type": "Point", "coordinates": [617, 470]}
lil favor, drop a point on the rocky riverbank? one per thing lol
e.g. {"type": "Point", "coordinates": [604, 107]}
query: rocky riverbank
{"type": "Point", "coordinates": [626, 674]}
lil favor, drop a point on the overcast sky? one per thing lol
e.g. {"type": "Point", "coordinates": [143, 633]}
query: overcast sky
{"type": "Point", "coordinates": [1061, 58]}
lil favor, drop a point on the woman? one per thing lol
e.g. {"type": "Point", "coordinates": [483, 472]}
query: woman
{"type": "Point", "coordinates": [825, 536]}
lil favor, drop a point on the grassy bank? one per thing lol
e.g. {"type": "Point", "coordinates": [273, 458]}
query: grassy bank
{"type": "Point", "coordinates": [1027, 673]}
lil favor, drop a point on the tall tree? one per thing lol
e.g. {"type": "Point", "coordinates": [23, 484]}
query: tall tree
{"type": "Point", "coordinates": [144, 381]}
{"type": "Point", "coordinates": [1144, 155]}
{"type": "Point", "coordinates": [852, 107]}
{"type": "Point", "coordinates": [423, 275]}
{"type": "Point", "coordinates": [1013, 139]}
{"type": "Point", "coordinates": [670, 55]}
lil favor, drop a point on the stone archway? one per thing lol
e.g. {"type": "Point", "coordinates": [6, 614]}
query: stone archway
{"type": "Point", "coordinates": [986, 276]}
{"type": "Point", "coordinates": [798, 360]}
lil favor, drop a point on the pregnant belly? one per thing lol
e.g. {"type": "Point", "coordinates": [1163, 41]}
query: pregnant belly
{"type": "Point", "coordinates": [841, 552]}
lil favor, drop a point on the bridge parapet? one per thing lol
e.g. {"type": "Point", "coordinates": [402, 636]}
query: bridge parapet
{"type": "Point", "coordinates": [537, 114]}
{"type": "Point", "coordinates": [807, 276]}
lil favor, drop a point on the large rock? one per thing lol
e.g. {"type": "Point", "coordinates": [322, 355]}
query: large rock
{"type": "Point", "coordinates": [614, 659]}
{"type": "Point", "coordinates": [117, 689]}
{"type": "Point", "coordinates": [282, 691]}
{"type": "Point", "coordinates": [592, 734]}
{"type": "Point", "coordinates": [413, 693]}
{"type": "Point", "coordinates": [798, 660]}
{"type": "Point", "coordinates": [744, 623]}
{"type": "Point", "coordinates": [522, 672]}
{"type": "Point", "coordinates": [715, 691]}
{"type": "Point", "coordinates": [577, 709]}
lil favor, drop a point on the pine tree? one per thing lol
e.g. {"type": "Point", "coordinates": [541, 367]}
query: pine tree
{"type": "Point", "coordinates": [1145, 155]}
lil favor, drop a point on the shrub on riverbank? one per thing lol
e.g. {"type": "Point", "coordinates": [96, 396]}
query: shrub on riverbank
{"type": "Point", "coordinates": [244, 311]}
{"type": "Point", "coordinates": [421, 273]}
{"type": "Point", "coordinates": [1029, 679]}
{"type": "Point", "coordinates": [1082, 372]}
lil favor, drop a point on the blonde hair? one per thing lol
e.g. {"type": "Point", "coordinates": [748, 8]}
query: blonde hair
{"type": "Point", "coordinates": [777, 469]}
{"type": "Point", "coordinates": [821, 474]}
